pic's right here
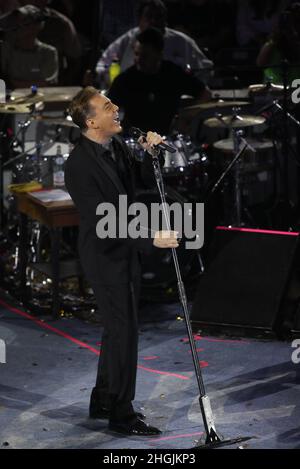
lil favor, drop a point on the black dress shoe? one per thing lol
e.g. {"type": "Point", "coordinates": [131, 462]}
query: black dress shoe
{"type": "Point", "coordinates": [137, 428]}
{"type": "Point", "coordinates": [97, 412]}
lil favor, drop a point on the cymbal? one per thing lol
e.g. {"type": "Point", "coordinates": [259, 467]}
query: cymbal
{"type": "Point", "coordinates": [11, 108]}
{"type": "Point", "coordinates": [262, 88]}
{"type": "Point", "coordinates": [227, 145]}
{"type": "Point", "coordinates": [27, 99]}
{"type": "Point", "coordinates": [234, 121]}
{"type": "Point", "coordinates": [49, 94]}
{"type": "Point", "coordinates": [215, 105]}
{"type": "Point", "coordinates": [53, 120]}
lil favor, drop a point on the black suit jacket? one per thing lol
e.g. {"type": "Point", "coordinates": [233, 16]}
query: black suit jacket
{"type": "Point", "coordinates": [91, 180]}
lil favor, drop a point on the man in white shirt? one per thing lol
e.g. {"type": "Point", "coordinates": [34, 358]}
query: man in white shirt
{"type": "Point", "coordinates": [179, 48]}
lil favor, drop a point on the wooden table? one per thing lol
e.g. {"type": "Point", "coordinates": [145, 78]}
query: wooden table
{"type": "Point", "coordinates": [53, 215]}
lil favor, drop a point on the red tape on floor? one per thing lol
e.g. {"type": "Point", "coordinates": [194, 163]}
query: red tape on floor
{"type": "Point", "coordinates": [47, 326]}
{"type": "Point", "coordinates": [44, 325]}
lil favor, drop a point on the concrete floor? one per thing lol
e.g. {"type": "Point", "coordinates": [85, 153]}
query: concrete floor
{"type": "Point", "coordinates": [50, 369]}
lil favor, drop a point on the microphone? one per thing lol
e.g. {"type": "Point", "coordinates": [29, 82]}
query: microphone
{"type": "Point", "coordinates": [135, 132]}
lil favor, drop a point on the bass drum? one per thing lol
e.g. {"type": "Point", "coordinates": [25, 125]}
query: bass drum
{"type": "Point", "coordinates": [158, 272]}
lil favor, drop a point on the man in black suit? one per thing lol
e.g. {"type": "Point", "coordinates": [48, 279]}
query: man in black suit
{"type": "Point", "coordinates": [98, 170]}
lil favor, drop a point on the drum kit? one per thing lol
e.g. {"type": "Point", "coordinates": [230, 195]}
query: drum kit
{"type": "Point", "coordinates": [239, 151]}
{"type": "Point", "coordinates": [34, 125]}
{"type": "Point", "coordinates": [38, 122]}
{"type": "Point", "coordinates": [187, 170]}
{"type": "Point", "coordinates": [259, 118]}
{"type": "Point", "coordinates": [238, 162]}
{"type": "Point", "coordinates": [240, 165]}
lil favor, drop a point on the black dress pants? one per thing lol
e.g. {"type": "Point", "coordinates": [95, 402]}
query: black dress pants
{"type": "Point", "coordinates": [116, 377]}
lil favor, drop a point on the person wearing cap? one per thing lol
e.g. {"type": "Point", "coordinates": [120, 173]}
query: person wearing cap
{"type": "Point", "coordinates": [60, 32]}
{"type": "Point", "coordinates": [27, 61]}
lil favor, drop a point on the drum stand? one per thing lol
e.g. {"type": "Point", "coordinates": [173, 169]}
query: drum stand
{"type": "Point", "coordinates": [2, 137]}
{"type": "Point", "coordinates": [211, 439]}
{"type": "Point", "coordinates": [38, 147]}
{"type": "Point", "coordinates": [23, 125]}
{"type": "Point", "coordinates": [35, 232]}
{"type": "Point", "coordinates": [286, 151]}
{"type": "Point", "coordinates": [227, 169]}
{"type": "Point", "coordinates": [238, 139]}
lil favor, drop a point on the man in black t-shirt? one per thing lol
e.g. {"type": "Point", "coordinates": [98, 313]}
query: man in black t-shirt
{"type": "Point", "coordinates": [149, 92]}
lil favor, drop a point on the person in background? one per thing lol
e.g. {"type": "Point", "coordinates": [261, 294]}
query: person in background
{"type": "Point", "coordinates": [149, 91]}
{"type": "Point", "coordinates": [59, 31]}
{"type": "Point", "coordinates": [178, 47]}
{"type": "Point", "coordinates": [26, 60]}
{"type": "Point", "coordinates": [283, 46]}
{"type": "Point", "coordinates": [256, 19]}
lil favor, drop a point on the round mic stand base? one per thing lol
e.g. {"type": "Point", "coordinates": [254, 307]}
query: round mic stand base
{"type": "Point", "coordinates": [212, 441]}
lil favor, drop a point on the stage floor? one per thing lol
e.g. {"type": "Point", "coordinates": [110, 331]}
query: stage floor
{"type": "Point", "coordinates": [50, 369]}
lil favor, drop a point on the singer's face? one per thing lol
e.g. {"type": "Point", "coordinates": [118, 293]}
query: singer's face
{"type": "Point", "coordinates": [104, 116]}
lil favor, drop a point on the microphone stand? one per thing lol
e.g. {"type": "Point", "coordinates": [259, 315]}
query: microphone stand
{"type": "Point", "coordinates": [212, 438]}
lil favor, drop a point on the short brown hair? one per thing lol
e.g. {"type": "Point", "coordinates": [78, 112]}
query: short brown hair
{"type": "Point", "coordinates": [80, 108]}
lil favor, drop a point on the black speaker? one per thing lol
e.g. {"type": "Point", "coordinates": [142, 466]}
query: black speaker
{"type": "Point", "coordinates": [251, 281]}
